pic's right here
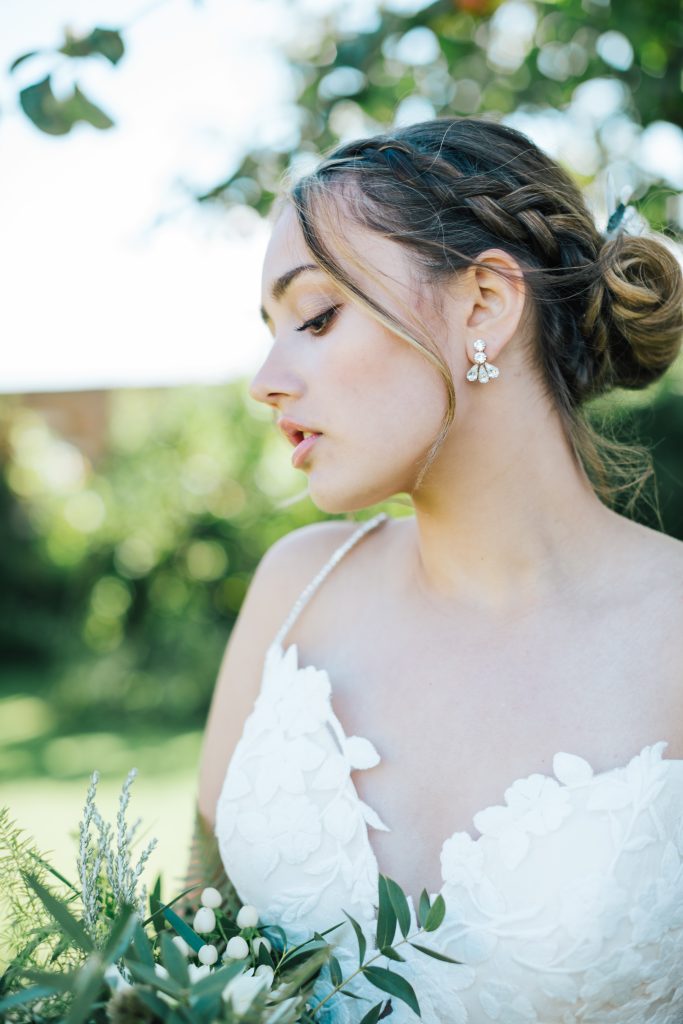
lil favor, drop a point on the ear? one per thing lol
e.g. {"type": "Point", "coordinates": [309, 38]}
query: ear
{"type": "Point", "coordinates": [495, 294]}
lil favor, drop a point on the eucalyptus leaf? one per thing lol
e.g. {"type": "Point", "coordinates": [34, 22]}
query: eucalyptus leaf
{"type": "Point", "coordinates": [335, 971]}
{"type": "Point", "coordinates": [372, 1016]}
{"type": "Point", "coordinates": [394, 984]}
{"type": "Point", "coordinates": [386, 915]}
{"type": "Point", "coordinates": [436, 914]}
{"type": "Point", "coordinates": [423, 907]}
{"type": "Point", "coordinates": [400, 905]}
{"type": "Point", "coordinates": [362, 942]}
{"type": "Point", "coordinates": [433, 952]}
{"type": "Point", "coordinates": [391, 953]}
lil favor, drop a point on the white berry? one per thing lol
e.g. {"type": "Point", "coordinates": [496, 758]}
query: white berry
{"type": "Point", "coordinates": [237, 948]}
{"type": "Point", "coordinates": [211, 898]}
{"type": "Point", "coordinates": [265, 971]}
{"type": "Point", "coordinates": [247, 916]}
{"type": "Point", "coordinates": [204, 920]}
{"type": "Point", "coordinates": [208, 955]}
{"type": "Point", "coordinates": [179, 941]}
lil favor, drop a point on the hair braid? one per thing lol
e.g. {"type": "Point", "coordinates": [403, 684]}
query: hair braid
{"type": "Point", "coordinates": [609, 312]}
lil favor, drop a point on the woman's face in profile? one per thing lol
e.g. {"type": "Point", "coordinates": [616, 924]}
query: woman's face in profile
{"type": "Point", "coordinates": [376, 401]}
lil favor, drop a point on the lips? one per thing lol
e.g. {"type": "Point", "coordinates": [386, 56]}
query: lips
{"type": "Point", "coordinates": [296, 432]}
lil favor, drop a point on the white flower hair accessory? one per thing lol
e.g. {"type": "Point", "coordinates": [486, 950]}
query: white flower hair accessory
{"type": "Point", "coordinates": [622, 213]}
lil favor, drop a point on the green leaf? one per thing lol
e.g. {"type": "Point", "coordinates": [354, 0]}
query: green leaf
{"type": "Point", "coordinates": [394, 984]}
{"type": "Point", "coordinates": [362, 943]}
{"type": "Point", "coordinates": [149, 976]}
{"type": "Point", "coordinates": [20, 60]}
{"type": "Point", "coordinates": [174, 961]}
{"type": "Point", "coordinates": [271, 930]}
{"type": "Point", "coordinates": [303, 953]}
{"type": "Point", "coordinates": [57, 117]}
{"type": "Point", "coordinates": [400, 905]}
{"type": "Point", "coordinates": [386, 916]}
{"type": "Point", "coordinates": [53, 871]}
{"type": "Point", "coordinates": [89, 984]}
{"type": "Point", "coordinates": [391, 953]}
{"type": "Point", "coordinates": [183, 929]}
{"type": "Point", "coordinates": [373, 1015]}
{"type": "Point", "coordinates": [25, 995]}
{"type": "Point", "coordinates": [436, 914]}
{"type": "Point", "coordinates": [433, 952]}
{"type": "Point", "coordinates": [42, 107]}
{"type": "Point", "coordinates": [156, 906]}
{"type": "Point", "coordinates": [79, 108]}
{"type": "Point", "coordinates": [152, 1000]}
{"type": "Point", "coordinates": [141, 946]}
{"type": "Point", "coordinates": [423, 907]}
{"type": "Point", "coordinates": [335, 971]}
{"type": "Point", "coordinates": [57, 981]}
{"type": "Point", "coordinates": [120, 935]}
{"type": "Point", "coordinates": [105, 41]}
{"type": "Point", "coordinates": [61, 914]}
{"type": "Point", "coordinates": [216, 981]}
{"type": "Point", "coordinates": [170, 903]}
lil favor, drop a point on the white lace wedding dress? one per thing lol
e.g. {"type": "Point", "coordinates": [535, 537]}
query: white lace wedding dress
{"type": "Point", "coordinates": [567, 907]}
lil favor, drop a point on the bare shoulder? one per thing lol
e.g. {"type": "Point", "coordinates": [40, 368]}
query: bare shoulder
{"type": "Point", "coordinates": [659, 557]}
{"type": "Point", "coordinates": [281, 575]}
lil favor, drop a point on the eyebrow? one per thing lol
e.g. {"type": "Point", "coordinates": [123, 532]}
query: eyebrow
{"type": "Point", "coordinates": [282, 283]}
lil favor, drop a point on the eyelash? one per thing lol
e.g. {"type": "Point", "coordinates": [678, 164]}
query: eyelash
{"type": "Point", "coordinates": [322, 321]}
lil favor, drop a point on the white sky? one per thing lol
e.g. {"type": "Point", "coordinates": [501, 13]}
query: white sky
{"type": "Point", "coordinates": [93, 294]}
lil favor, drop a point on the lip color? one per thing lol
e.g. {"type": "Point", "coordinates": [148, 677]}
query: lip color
{"type": "Point", "coordinates": [302, 449]}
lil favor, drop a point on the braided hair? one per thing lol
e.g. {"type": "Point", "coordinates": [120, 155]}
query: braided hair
{"type": "Point", "coordinates": [608, 308]}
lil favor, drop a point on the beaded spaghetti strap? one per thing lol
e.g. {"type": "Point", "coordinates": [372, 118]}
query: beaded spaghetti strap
{"type": "Point", "coordinates": [311, 588]}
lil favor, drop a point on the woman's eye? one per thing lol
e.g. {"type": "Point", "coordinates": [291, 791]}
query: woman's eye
{"type": "Point", "coordinates": [319, 323]}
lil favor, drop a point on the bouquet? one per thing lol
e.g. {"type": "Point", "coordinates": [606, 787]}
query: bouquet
{"type": "Point", "coordinates": [103, 951]}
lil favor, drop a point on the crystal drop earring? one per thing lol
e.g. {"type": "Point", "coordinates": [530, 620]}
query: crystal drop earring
{"type": "Point", "coordinates": [481, 369]}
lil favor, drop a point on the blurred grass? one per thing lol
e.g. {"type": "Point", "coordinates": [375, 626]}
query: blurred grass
{"type": "Point", "coordinates": [49, 810]}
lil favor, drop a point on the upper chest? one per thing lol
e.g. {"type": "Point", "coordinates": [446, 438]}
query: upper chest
{"type": "Point", "coordinates": [459, 709]}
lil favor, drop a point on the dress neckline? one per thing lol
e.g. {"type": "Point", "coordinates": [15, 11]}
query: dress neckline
{"type": "Point", "coordinates": [575, 771]}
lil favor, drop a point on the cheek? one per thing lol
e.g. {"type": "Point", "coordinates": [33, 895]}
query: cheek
{"type": "Point", "coordinates": [390, 391]}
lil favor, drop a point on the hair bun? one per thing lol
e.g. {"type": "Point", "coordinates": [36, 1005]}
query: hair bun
{"type": "Point", "coordinates": [645, 284]}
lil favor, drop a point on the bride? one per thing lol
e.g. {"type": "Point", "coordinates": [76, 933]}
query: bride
{"type": "Point", "coordinates": [485, 698]}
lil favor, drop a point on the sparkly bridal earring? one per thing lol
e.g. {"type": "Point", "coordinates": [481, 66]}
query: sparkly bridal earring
{"type": "Point", "coordinates": [481, 370]}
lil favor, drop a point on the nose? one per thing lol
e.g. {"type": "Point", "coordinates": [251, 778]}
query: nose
{"type": "Point", "coordinates": [273, 381]}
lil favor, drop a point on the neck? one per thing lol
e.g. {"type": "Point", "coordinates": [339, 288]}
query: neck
{"type": "Point", "coordinates": [505, 518]}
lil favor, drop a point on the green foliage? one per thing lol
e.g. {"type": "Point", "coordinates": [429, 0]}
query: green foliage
{"type": "Point", "coordinates": [123, 577]}
{"type": "Point", "coordinates": [456, 57]}
{"type": "Point", "coordinates": [130, 975]}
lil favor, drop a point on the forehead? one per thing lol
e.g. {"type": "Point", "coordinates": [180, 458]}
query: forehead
{"type": "Point", "coordinates": [363, 254]}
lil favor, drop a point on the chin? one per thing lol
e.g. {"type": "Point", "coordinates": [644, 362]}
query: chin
{"type": "Point", "coordinates": [337, 499]}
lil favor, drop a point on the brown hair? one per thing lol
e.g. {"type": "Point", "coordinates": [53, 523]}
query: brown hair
{"type": "Point", "coordinates": [608, 310]}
